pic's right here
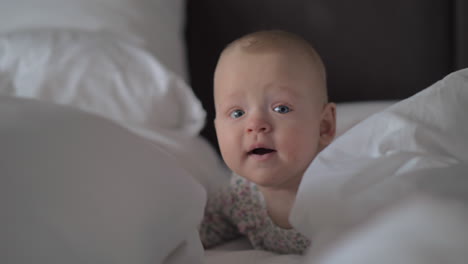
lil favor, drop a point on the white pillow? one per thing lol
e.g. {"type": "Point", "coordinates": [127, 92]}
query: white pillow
{"type": "Point", "coordinates": [100, 73]}
{"type": "Point", "coordinates": [350, 114]}
{"type": "Point", "coordinates": [155, 24]}
{"type": "Point", "coordinates": [77, 188]}
{"type": "Point", "coordinates": [194, 154]}
{"type": "Point", "coordinates": [385, 158]}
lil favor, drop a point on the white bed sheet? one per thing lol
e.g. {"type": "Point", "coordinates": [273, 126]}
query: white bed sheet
{"type": "Point", "coordinates": [240, 251]}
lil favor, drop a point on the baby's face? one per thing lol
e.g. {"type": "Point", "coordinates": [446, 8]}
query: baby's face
{"type": "Point", "coordinates": [269, 109]}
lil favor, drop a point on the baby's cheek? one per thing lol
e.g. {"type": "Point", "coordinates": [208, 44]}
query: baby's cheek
{"type": "Point", "coordinates": [301, 147]}
{"type": "Point", "coordinates": [292, 150]}
{"type": "Point", "coordinates": [230, 148]}
{"type": "Point", "coordinates": [225, 137]}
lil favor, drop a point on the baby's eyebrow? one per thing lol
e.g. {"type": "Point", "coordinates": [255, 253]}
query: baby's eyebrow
{"type": "Point", "coordinates": [286, 91]}
{"type": "Point", "coordinates": [233, 94]}
{"type": "Point", "coordinates": [229, 99]}
{"type": "Point", "coordinates": [224, 104]}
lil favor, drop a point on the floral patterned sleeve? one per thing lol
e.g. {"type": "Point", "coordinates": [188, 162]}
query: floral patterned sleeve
{"type": "Point", "coordinates": [217, 226]}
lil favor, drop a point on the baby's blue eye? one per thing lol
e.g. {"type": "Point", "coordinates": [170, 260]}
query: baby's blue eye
{"type": "Point", "coordinates": [237, 113]}
{"type": "Point", "coordinates": [282, 109]}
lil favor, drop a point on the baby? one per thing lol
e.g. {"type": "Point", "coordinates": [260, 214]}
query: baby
{"type": "Point", "coordinates": [272, 118]}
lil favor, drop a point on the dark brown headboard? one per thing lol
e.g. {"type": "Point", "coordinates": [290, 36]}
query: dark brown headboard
{"type": "Point", "coordinates": [373, 50]}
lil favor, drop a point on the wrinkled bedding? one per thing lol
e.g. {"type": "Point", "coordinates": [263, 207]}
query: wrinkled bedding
{"type": "Point", "coordinates": [240, 251]}
{"type": "Point", "coordinates": [116, 136]}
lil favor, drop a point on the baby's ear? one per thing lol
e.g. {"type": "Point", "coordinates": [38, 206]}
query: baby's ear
{"type": "Point", "coordinates": [327, 125]}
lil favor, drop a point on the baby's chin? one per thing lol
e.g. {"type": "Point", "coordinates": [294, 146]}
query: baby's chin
{"type": "Point", "coordinates": [274, 181]}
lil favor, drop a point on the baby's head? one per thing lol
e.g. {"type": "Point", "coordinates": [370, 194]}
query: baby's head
{"type": "Point", "coordinates": [272, 110]}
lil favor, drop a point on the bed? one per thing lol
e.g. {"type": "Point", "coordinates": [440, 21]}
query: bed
{"type": "Point", "coordinates": [108, 150]}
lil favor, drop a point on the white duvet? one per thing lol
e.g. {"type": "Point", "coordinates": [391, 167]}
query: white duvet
{"type": "Point", "coordinates": [401, 173]}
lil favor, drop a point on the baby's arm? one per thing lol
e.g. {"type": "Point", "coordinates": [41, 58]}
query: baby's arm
{"type": "Point", "coordinates": [217, 226]}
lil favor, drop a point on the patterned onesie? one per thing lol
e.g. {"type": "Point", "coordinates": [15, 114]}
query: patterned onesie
{"type": "Point", "coordinates": [239, 209]}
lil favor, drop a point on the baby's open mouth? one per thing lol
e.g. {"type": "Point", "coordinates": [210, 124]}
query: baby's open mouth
{"type": "Point", "coordinates": [260, 151]}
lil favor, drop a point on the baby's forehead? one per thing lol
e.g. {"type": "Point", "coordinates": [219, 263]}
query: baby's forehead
{"type": "Point", "coordinates": [291, 92]}
{"type": "Point", "coordinates": [278, 64]}
{"type": "Point", "coordinates": [268, 90]}
{"type": "Point", "coordinates": [292, 50]}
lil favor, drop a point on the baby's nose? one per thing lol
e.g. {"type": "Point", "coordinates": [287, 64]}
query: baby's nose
{"type": "Point", "coordinates": [258, 125]}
